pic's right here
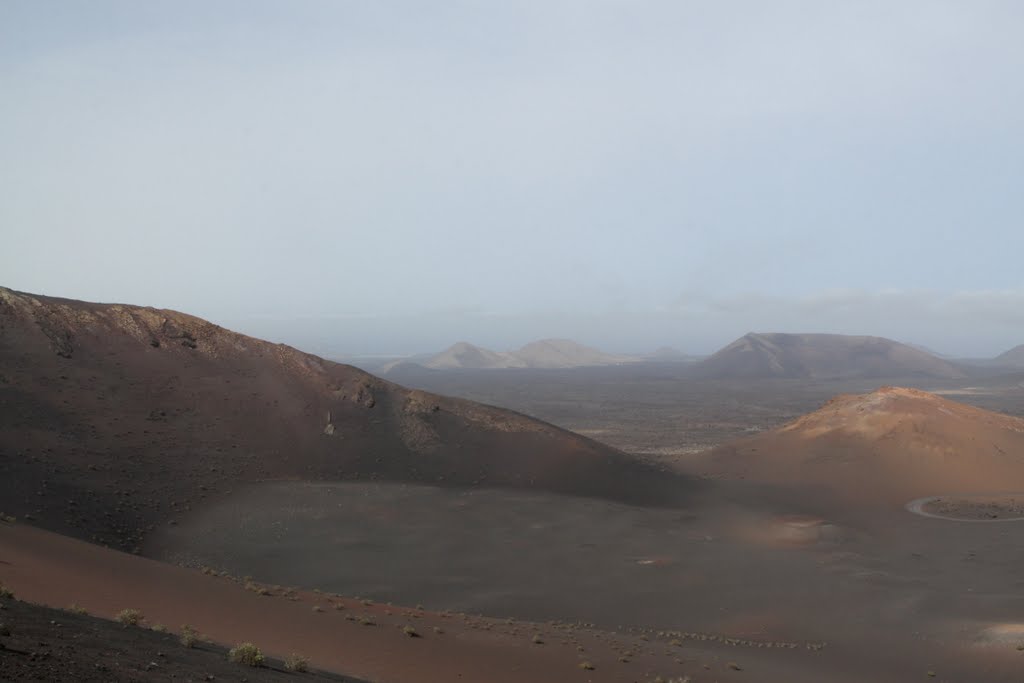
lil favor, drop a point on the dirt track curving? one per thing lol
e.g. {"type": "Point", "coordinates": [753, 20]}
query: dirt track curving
{"type": "Point", "coordinates": [969, 507]}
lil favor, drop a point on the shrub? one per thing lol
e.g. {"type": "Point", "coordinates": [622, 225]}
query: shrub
{"type": "Point", "coordinates": [189, 636]}
{"type": "Point", "coordinates": [537, 639]}
{"type": "Point", "coordinates": [587, 665]}
{"type": "Point", "coordinates": [129, 617]}
{"type": "Point", "coordinates": [256, 588]}
{"type": "Point", "coordinates": [159, 628]}
{"type": "Point", "coordinates": [410, 631]}
{"type": "Point", "coordinates": [294, 662]}
{"type": "Point", "coordinates": [5, 592]}
{"type": "Point", "coordinates": [246, 654]}
{"type": "Point", "coordinates": [77, 609]}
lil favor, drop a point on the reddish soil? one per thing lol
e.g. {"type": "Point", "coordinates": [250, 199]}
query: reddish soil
{"type": "Point", "coordinates": [884, 448]}
{"type": "Point", "coordinates": [345, 635]}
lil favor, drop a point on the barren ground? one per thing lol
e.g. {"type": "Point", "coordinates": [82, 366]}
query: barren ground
{"type": "Point", "coordinates": [886, 595]}
{"type": "Point", "coordinates": [659, 411]}
{"type": "Point", "coordinates": [225, 454]}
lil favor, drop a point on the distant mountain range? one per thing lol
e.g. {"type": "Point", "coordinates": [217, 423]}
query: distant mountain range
{"type": "Point", "coordinates": [821, 356]}
{"type": "Point", "coordinates": [545, 354]}
{"type": "Point", "coordinates": [752, 356]}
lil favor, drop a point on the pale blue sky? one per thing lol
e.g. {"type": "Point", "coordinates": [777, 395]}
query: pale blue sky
{"type": "Point", "coordinates": [359, 177]}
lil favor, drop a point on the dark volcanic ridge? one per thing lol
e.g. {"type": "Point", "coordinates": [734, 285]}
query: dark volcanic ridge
{"type": "Point", "coordinates": [114, 418]}
{"type": "Point", "coordinates": [821, 356]}
{"type": "Point", "coordinates": [46, 644]}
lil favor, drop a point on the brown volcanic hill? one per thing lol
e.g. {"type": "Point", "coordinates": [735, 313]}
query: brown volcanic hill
{"type": "Point", "coordinates": [1014, 357]}
{"type": "Point", "coordinates": [114, 418]}
{"type": "Point", "coordinates": [891, 445]}
{"type": "Point", "coordinates": [565, 353]}
{"type": "Point", "coordinates": [811, 356]}
{"type": "Point", "coordinates": [543, 354]}
{"type": "Point", "coordinates": [466, 355]}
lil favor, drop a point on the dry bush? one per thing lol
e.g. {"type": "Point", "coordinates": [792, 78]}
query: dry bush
{"type": "Point", "coordinates": [246, 654]}
{"type": "Point", "coordinates": [189, 636]}
{"type": "Point", "coordinates": [297, 663]}
{"type": "Point", "coordinates": [129, 617]}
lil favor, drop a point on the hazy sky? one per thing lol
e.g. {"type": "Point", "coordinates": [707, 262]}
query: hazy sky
{"type": "Point", "coordinates": [359, 177]}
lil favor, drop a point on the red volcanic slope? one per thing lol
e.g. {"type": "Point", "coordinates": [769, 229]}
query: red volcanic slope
{"type": "Point", "coordinates": [891, 445]}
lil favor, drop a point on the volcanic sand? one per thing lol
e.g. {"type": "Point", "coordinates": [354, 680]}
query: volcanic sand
{"type": "Point", "coordinates": [364, 638]}
{"type": "Point", "coordinates": [879, 596]}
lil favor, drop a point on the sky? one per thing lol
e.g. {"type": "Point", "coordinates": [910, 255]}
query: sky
{"type": "Point", "coordinates": [391, 177]}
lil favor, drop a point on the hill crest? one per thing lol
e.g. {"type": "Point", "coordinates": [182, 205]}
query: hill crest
{"type": "Point", "coordinates": [892, 444]}
{"type": "Point", "coordinates": [1014, 357]}
{"type": "Point", "coordinates": [821, 356]}
{"type": "Point", "coordinates": [540, 354]}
